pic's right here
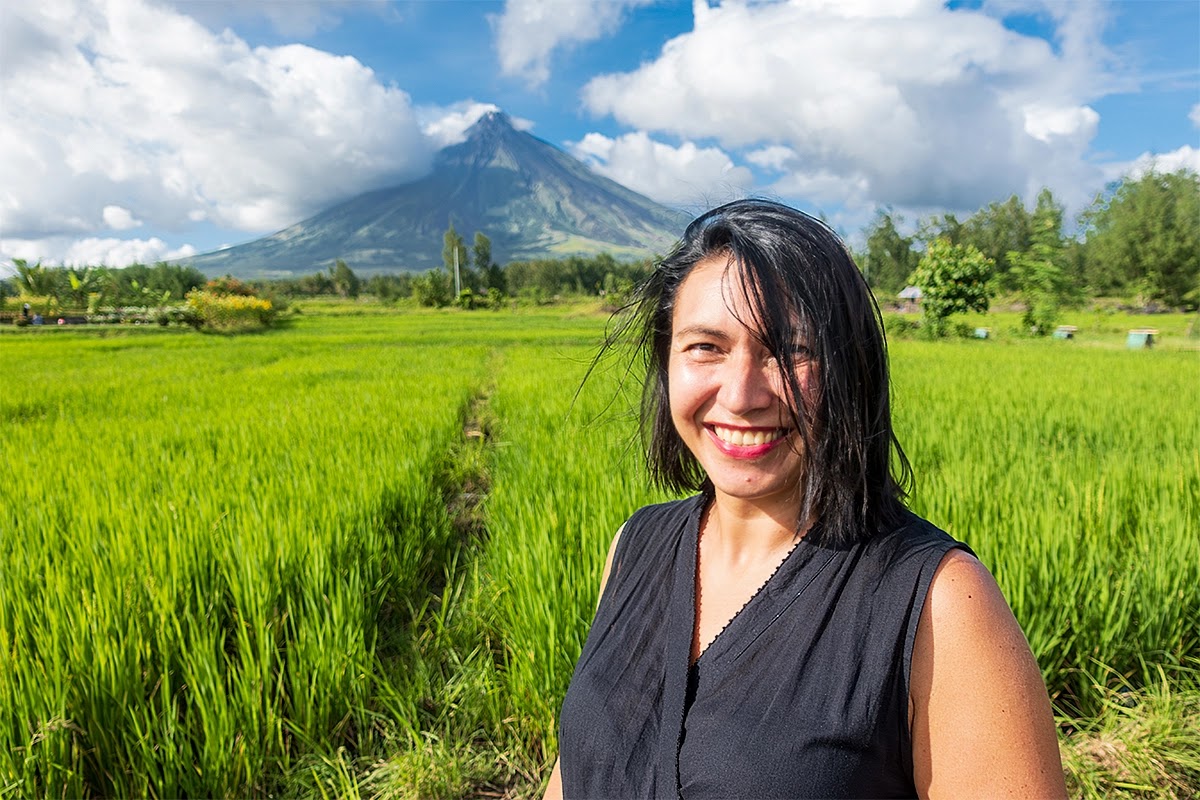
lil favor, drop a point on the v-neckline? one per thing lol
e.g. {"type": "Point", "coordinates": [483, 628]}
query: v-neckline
{"type": "Point", "coordinates": [733, 621]}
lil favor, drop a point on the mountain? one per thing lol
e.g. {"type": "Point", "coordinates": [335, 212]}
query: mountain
{"type": "Point", "coordinates": [530, 198]}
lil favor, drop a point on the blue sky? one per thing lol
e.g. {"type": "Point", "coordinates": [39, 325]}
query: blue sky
{"type": "Point", "coordinates": [133, 130]}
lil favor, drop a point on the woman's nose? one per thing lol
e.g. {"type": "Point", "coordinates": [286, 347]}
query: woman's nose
{"type": "Point", "coordinates": [745, 384]}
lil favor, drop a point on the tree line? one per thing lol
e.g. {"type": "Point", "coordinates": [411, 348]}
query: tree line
{"type": "Point", "coordinates": [1139, 239]}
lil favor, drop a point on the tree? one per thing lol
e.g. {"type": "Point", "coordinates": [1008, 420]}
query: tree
{"type": "Point", "coordinates": [317, 283]}
{"type": "Point", "coordinates": [345, 281]}
{"type": "Point", "coordinates": [82, 283]}
{"type": "Point", "coordinates": [434, 288]}
{"type": "Point", "coordinates": [997, 230]}
{"type": "Point", "coordinates": [953, 278]}
{"type": "Point", "coordinates": [1143, 237]}
{"type": "Point", "coordinates": [890, 257]}
{"type": "Point", "coordinates": [36, 280]}
{"type": "Point", "coordinates": [487, 270]}
{"type": "Point", "coordinates": [389, 288]}
{"type": "Point", "coordinates": [1038, 274]}
{"type": "Point", "coordinates": [481, 253]}
{"type": "Point", "coordinates": [947, 226]}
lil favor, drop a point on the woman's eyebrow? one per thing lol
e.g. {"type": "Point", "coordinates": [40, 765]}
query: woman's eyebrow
{"type": "Point", "coordinates": [700, 330]}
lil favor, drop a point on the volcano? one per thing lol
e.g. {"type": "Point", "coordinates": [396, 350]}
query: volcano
{"type": "Point", "coordinates": [530, 198]}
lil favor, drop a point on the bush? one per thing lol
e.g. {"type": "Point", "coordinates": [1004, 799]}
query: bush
{"type": "Point", "coordinates": [899, 326]}
{"type": "Point", "coordinates": [230, 313]}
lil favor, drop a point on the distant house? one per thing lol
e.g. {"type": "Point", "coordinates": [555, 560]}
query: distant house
{"type": "Point", "coordinates": [910, 297]}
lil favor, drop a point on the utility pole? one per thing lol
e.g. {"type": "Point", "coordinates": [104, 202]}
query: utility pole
{"type": "Point", "coordinates": [457, 282]}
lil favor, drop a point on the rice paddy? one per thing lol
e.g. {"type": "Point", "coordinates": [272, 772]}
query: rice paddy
{"type": "Point", "coordinates": [358, 554]}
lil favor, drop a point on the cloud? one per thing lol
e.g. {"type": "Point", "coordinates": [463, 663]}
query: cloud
{"type": "Point", "coordinates": [681, 175]}
{"type": "Point", "coordinates": [909, 104]}
{"type": "Point", "coordinates": [142, 113]}
{"type": "Point", "coordinates": [776, 157]}
{"type": "Point", "coordinates": [1195, 115]}
{"type": "Point", "coordinates": [293, 19]}
{"type": "Point", "coordinates": [119, 219]}
{"type": "Point", "coordinates": [93, 251]}
{"type": "Point", "coordinates": [1048, 124]}
{"type": "Point", "coordinates": [529, 31]}
{"type": "Point", "coordinates": [447, 125]}
{"type": "Point", "coordinates": [1186, 157]}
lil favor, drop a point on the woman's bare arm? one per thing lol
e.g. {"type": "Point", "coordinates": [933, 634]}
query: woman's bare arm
{"type": "Point", "coordinates": [554, 787]}
{"type": "Point", "coordinates": [981, 719]}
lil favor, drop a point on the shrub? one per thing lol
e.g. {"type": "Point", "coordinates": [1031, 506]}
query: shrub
{"type": "Point", "coordinates": [229, 313]}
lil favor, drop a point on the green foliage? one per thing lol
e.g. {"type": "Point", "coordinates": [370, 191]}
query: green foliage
{"type": "Point", "coordinates": [433, 289]}
{"type": "Point", "coordinates": [97, 288]}
{"type": "Point", "coordinates": [1000, 229]}
{"type": "Point", "coordinates": [481, 253]}
{"type": "Point", "coordinates": [344, 280]}
{"type": "Point", "coordinates": [953, 279]}
{"type": "Point", "coordinates": [945, 226]}
{"type": "Point", "coordinates": [1143, 237]}
{"type": "Point", "coordinates": [1038, 273]}
{"type": "Point", "coordinates": [890, 257]}
{"type": "Point", "coordinates": [576, 275]}
{"type": "Point", "coordinates": [389, 288]}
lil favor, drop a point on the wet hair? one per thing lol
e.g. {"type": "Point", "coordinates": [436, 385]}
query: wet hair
{"type": "Point", "coordinates": [801, 285]}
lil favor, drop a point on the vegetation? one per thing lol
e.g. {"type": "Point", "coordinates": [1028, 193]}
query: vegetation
{"type": "Point", "coordinates": [1139, 241]}
{"type": "Point", "coordinates": [1143, 236]}
{"type": "Point", "coordinates": [357, 556]}
{"type": "Point", "coordinates": [954, 279]}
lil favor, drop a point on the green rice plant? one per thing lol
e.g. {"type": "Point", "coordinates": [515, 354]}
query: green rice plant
{"type": "Point", "coordinates": [1075, 475]}
{"type": "Point", "coordinates": [1144, 742]}
{"type": "Point", "coordinates": [203, 540]}
{"type": "Point", "coordinates": [241, 566]}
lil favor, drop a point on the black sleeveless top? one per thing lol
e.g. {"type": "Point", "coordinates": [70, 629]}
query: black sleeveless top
{"type": "Point", "coordinates": [803, 694]}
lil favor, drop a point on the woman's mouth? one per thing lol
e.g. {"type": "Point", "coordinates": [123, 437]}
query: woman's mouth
{"type": "Point", "coordinates": [746, 442]}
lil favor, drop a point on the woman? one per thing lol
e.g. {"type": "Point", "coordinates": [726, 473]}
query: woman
{"type": "Point", "coordinates": [791, 630]}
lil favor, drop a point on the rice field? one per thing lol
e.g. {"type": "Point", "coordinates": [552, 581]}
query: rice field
{"type": "Point", "coordinates": [357, 555]}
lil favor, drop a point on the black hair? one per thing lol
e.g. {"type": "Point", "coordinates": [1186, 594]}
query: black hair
{"type": "Point", "coordinates": [801, 284]}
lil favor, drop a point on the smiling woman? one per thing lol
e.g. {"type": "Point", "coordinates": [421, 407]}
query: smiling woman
{"type": "Point", "coordinates": [773, 635]}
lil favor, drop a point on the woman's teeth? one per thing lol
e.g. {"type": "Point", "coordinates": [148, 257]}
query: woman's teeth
{"type": "Point", "coordinates": [743, 438]}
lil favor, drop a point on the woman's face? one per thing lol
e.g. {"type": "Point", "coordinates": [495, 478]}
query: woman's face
{"type": "Point", "coordinates": [727, 393]}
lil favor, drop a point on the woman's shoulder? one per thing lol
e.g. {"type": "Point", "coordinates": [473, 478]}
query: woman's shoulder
{"type": "Point", "coordinates": [913, 535]}
{"type": "Point", "coordinates": [651, 536]}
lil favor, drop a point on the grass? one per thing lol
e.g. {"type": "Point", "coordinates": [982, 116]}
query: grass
{"type": "Point", "coordinates": [259, 565]}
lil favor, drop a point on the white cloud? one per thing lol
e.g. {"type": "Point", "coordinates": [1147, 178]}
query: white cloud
{"type": "Point", "coordinates": [125, 104]}
{"type": "Point", "coordinates": [119, 219]}
{"type": "Point", "coordinates": [1186, 157]}
{"type": "Point", "coordinates": [1195, 115]}
{"type": "Point", "coordinates": [92, 251]}
{"type": "Point", "coordinates": [776, 157]}
{"type": "Point", "coordinates": [1046, 124]}
{"type": "Point", "coordinates": [528, 31]}
{"type": "Point", "coordinates": [686, 174]}
{"type": "Point", "coordinates": [447, 125]}
{"type": "Point", "coordinates": [908, 104]}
